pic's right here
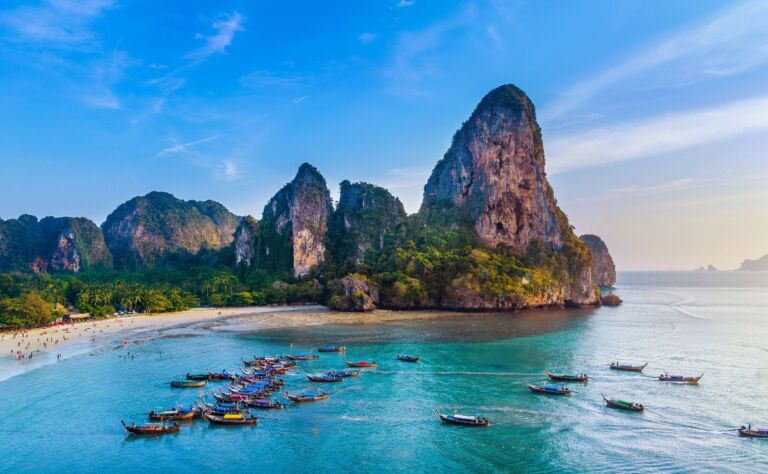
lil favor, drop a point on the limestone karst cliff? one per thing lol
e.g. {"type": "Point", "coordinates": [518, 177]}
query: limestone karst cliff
{"type": "Point", "coordinates": [603, 268]}
{"type": "Point", "coordinates": [145, 229]}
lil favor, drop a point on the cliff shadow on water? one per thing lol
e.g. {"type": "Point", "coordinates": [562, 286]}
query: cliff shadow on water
{"type": "Point", "coordinates": [448, 327]}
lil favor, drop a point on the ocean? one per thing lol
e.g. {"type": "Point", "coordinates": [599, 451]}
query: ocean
{"type": "Point", "coordinates": [65, 417]}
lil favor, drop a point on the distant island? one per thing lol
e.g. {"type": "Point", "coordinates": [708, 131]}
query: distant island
{"type": "Point", "coordinates": [760, 264]}
{"type": "Point", "coordinates": [489, 236]}
{"type": "Point", "coordinates": [708, 268]}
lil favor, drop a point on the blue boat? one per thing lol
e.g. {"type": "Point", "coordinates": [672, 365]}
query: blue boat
{"type": "Point", "coordinates": [549, 389]}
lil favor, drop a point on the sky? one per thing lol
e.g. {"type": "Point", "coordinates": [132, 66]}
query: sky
{"type": "Point", "coordinates": [654, 113]}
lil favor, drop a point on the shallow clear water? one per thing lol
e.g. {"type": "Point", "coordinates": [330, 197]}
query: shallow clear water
{"type": "Point", "coordinates": [65, 417]}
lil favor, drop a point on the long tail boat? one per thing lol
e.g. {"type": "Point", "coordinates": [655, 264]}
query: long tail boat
{"type": "Point", "coordinates": [582, 378]}
{"type": "Point", "coordinates": [151, 428]}
{"type": "Point", "coordinates": [343, 373]}
{"type": "Point", "coordinates": [307, 397]}
{"type": "Point", "coordinates": [680, 379]}
{"type": "Point", "coordinates": [325, 378]}
{"type": "Point", "coordinates": [188, 383]}
{"type": "Point", "coordinates": [191, 376]}
{"type": "Point", "coordinates": [463, 420]}
{"type": "Point", "coordinates": [363, 364]}
{"type": "Point", "coordinates": [549, 389]}
{"type": "Point", "coordinates": [175, 414]}
{"type": "Point", "coordinates": [331, 348]}
{"type": "Point", "coordinates": [628, 367]}
{"type": "Point", "coordinates": [232, 419]}
{"type": "Point", "coordinates": [408, 358]}
{"type": "Point", "coordinates": [623, 405]}
{"type": "Point", "coordinates": [750, 432]}
{"type": "Point", "coordinates": [301, 357]}
{"type": "Point", "coordinates": [265, 404]}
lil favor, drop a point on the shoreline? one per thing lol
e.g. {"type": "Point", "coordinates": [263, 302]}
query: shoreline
{"type": "Point", "coordinates": [54, 344]}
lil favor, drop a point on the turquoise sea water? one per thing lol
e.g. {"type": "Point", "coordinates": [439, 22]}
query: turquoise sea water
{"type": "Point", "coordinates": [65, 417]}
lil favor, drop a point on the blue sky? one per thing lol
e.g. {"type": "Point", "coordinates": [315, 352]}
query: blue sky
{"type": "Point", "coordinates": [654, 113]}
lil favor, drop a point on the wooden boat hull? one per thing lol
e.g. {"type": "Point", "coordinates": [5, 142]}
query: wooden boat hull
{"type": "Point", "coordinates": [747, 433]}
{"type": "Point", "coordinates": [635, 407]}
{"type": "Point", "coordinates": [681, 380]}
{"type": "Point", "coordinates": [299, 399]}
{"type": "Point", "coordinates": [361, 365]}
{"type": "Point", "coordinates": [180, 416]}
{"type": "Point", "coordinates": [220, 420]}
{"type": "Point", "coordinates": [332, 349]}
{"type": "Point", "coordinates": [464, 421]}
{"type": "Point", "coordinates": [302, 358]}
{"type": "Point", "coordinates": [188, 384]}
{"type": "Point", "coordinates": [324, 379]}
{"type": "Point", "coordinates": [628, 368]}
{"type": "Point", "coordinates": [150, 430]}
{"type": "Point", "coordinates": [545, 391]}
{"type": "Point", "coordinates": [405, 358]}
{"type": "Point", "coordinates": [567, 378]}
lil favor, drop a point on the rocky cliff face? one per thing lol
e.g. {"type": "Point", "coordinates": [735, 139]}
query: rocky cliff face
{"type": "Point", "coordinates": [760, 264]}
{"type": "Point", "coordinates": [603, 269]}
{"type": "Point", "coordinates": [53, 244]}
{"type": "Point", "coordinates": [363, 217]}
{"type": "Point", "coordinates": [145, 229]}
{"type": "Point", "coordinates": [493, 179]}
{"type": "Point", "coordinates": [295, 223]}
{"type": "Point", "coordinates": [246, 238]}
{"type": "Point", "coordinates": [493, 175]}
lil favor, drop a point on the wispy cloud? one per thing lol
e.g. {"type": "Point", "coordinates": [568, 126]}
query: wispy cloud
{"type": "Point", "coordinates": [655, 188]}
{"type": "Point", "coordinates": [367, 37]}
{"type": "Point", "coordinates": [410, 63]}
{"type": "Point", "coordinates": [225, 28]}
{"type": "Point", "coordinates": [405, 3]}
{"type": "Point", "coordinates": [184, 148]}
{"type": "Point", "coordinates": [735, 39]}
{"type": "Point", "coordinates": [299, 100]}
{"type": "Point", "coordinates": [658, 135]}
{"type": "Point", "coordinates": [58, 24]}
{"type": "Point", "coordinates": [263, 78]}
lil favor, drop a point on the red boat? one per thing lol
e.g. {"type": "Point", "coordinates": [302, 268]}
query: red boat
{"type": "Point", "coordinates": [362, 364]}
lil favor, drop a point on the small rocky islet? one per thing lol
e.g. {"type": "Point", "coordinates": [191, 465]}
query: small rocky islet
{"type": "Point", "coordinates": [489, 234]}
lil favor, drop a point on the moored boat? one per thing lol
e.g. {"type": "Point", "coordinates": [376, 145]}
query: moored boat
{"type": "Point", "coordinates": [680, 379]}
{"type": "Point", "coordinates": [151, 428]}
{"type": "Point", "coordinates": [324, 378]}
{"type": "Point", "coordinates": [408, 358]}
{"type": "Point", "coordinates": [549, 389]}
{"type": "Point", "coordinates": [188, 383]}
{"type": "Point", "coordinates": [302, 357]}
{"type": "Point", "coordinates": [582, 378]}
{"type": "Point", "coordinates": [363, 364]}
{"type": "Point", "coordinates": [232, 419]}
{"type": "Point", "coordinates": [623, 405]}
{"type": "Point", "coordinates": [628, 367]}
{"type": "Point", "coordinates": [343, 373]}
{"type": "Point", "coordinates": [463, 420]}
{"type": "Point", "coordinates": [307, 397]}
{"type": "Point", "coordinates": [331, 348]}
{"type": "Point", "coordinates": [749, 432]}
{"type": "Point", "coordinates": [175, 414]}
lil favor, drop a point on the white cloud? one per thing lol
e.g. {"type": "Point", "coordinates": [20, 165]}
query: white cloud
{"type": "Point", "coordinates": [183, 148]}
{"type": "Point", "coordinates": [299, 100]}
{"type": "Point", "coordinates": [405, 3]}
{"type": "Point", "coordinates": [730, 42]}
{"type": "Point", "coordinates": [59, 24]}
{"type": "Point", "coordinates": [367, 37]}
{"type": "Point", "coordinates": [655, 188]}
{"type": "Point", "coordinates": [229, 170]}
{"type": "Point", "coordinates": [217, 43]}
{"type": "Point", "coordinates": [658, 135]}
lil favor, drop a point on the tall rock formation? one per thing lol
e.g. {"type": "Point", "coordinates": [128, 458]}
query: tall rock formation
{"type": "Point", "coordinates": [246, 238]}
{"type": "Point", "coordinates": [362, 219]}
{"type": "Point", "coordinates": [603, 269]}
{"type": "Point", "coordinates": [53, 244]}
{"type": "Point", "coordinates": [493, 175]}
{"type": "Point", "coordinates": [145, 229]}
{"type": "Point", "coordinates": [492, 178]}
{"type": "Point", "coordinates": [294, 224]}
